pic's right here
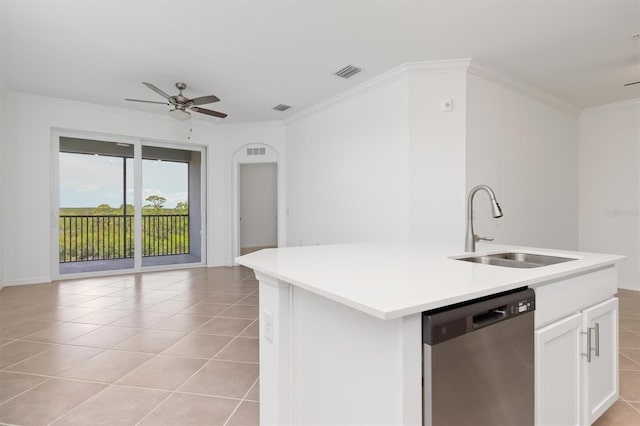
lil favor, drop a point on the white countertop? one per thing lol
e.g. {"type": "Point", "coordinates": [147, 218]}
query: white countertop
{"type": "Point", "coordinates": [392, 280]}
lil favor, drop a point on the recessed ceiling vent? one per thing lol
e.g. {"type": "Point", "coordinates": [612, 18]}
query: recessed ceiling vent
{"type": "Point", "coordinates": [282, 107]}
{"type": "Point", "coordinates": [348, 71]}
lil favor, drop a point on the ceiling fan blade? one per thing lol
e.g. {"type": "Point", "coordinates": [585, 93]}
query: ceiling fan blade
{"type": "Point", "coordinates": [159, 92]}
{"type": "Point", "coordinates": [204, 100]}
{"type": "Point", "coordinates": [149, 102]}
{"type": "Point", "coordinates": [208, 112]}
{"type": "Point", "coordinates": [631, 84]}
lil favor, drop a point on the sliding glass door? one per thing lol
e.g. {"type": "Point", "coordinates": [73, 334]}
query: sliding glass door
{"type": "Point", "coordinates": [171, 213]}
{"type": "Point", "coordinates": [127, 206]}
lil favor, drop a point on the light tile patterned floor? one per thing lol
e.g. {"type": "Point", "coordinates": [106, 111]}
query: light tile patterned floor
{"type": "Point", "coordinates": [626, 411]}
{"type": "Point", "coordinates": [175, 347]}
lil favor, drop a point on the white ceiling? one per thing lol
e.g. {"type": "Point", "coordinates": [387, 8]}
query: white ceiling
{"type": "Point", "coordinates": [257, 54]}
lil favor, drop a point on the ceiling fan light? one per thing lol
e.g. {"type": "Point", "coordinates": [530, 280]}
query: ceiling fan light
{"type": "Point", "coordinates": [179, 114]}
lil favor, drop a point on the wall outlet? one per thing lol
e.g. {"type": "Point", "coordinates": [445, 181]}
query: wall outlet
{"type": "Point", "coordinates": [268, 326]}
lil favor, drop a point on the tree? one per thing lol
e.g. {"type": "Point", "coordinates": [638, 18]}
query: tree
{"type": "Point", "coordinates": [103, 209]}
{"type": "Point", "coordinates": [129, 209]}
{"type": "Point", "coordinates": [157, 202]}
{"type": "Point", "coordinates": [183, 206]}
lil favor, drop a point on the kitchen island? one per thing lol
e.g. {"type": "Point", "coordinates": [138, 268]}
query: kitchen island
{"type": "Point", "coordinates": [340, 325]}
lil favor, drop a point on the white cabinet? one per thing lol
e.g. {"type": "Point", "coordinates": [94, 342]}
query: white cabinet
{"type": "Point", "coordinates": [573, 388]}
{"type": "Point", "coordinates": [558, 374]}
{"type": "Point", "coordinates": [601, 368]}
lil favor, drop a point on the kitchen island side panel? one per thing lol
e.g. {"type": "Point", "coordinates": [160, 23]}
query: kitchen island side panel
{"type": "Point", "coordinates": [325, 363]}
{"type": "Point", "coordinates": [350, 368]}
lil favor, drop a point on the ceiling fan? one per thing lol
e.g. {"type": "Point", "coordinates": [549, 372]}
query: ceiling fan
{"type": "Point", "coordinates": [181, 104]}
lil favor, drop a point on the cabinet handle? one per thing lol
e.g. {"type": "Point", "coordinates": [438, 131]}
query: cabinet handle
{"type": "Point", "coordinates": [588, 354]}
{"type": "Point", "coordinates": [597, 329]}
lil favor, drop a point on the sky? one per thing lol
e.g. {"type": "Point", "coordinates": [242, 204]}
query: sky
{"type": "Point", "coordinates": [89, 180]}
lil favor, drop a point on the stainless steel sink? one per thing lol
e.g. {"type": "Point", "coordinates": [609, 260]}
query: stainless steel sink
{"type": "Point", "coordinates": [516, 260]}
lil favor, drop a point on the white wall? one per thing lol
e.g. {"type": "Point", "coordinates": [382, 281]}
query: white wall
{"type": "Point", "coordinates": [527, 151]}
{"type": "Point", "coordinates": [258, 205]}
{"type": "Point", "coordinates": [3, 92]}
{"type": "Point", "coordinates": [610, 185]}
{"type": "Point", "coordinates": [437, 156]}
{"type": "Point", "coordinates": [26, 164]}
{"type": "Point", "coordinates": [348, 169]}
{"type": "Point", "coordinates": [352, 160]}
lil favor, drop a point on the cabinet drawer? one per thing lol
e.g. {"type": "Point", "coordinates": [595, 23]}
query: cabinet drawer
{"type": "Point", "coordinates": [558, 299]}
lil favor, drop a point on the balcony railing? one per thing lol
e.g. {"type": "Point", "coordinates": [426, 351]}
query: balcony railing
{"type": "Point", "coordinates": [84, 238]}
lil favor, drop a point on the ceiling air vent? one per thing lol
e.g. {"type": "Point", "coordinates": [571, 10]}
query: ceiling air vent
{"type": "Point", "coordinates": [282, 107]}
{"type": "Point", "coordinates": [348, 71]}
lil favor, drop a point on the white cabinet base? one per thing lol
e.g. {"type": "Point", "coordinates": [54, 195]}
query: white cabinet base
{"type": "Point", "coordinates": [558, 373]}
{"type": "Point", "coordinates": [601, 373]}
{"type": "Point", "coordinates": [577, 366]}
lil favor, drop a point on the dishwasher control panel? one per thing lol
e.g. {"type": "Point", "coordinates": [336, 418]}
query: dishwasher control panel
{"type": "Point", "coordinates": [446, 323]}
{"type": "Point", "coordinates": [523, 306]}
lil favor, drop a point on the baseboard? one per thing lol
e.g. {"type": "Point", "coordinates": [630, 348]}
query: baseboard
{"type": "Point", "coordinates": [630, 286]}
{"type": "Point", "coordinates": [27, 281]}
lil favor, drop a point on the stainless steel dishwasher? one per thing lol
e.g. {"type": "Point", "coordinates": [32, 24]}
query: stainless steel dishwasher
{"type": "Point", "coordinates": [478, 362]}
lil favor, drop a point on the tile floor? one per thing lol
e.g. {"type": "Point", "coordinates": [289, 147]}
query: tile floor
{"type": "Point", "coordinates": [174, 347]}
{"type": "Point", "coordinates": [626, 411]}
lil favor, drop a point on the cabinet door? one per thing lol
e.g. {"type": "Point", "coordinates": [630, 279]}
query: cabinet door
{"type": "Point", "coordinates": [601, 373]}
{"type": "Point", "coordinates": [558, 372]}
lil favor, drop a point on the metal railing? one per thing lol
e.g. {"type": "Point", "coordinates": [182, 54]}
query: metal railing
{"type": "Point", "coordinates": [84, 238]}
{"type": "Point", "coordinates": [165, 234]}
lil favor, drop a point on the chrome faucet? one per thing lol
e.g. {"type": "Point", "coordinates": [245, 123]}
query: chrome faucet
{"type": "Point", "coordinates": [496, 212]}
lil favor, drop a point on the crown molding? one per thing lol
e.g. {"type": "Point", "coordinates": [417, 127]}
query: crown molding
{"type": "Point", "coordinates": [276, 124]}
{"type": "Point", "coordinates": [388, 77]}
{"type": "Point", "coordinates": [630, 103]}
{"type": "Point", "coordinates": [437, 67]}
{"type": "Point", "coordinates": [106, 108]}
{"type": "Point", "coordinates": [518, 86]}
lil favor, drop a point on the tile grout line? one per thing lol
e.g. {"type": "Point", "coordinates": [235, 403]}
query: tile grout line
{"type": "Point", "coordinates": [244, 398]}
{"type": "Point", "coordinates": [29, 357]}
{"type": "Point", "coordinates": [188, 334]}
{"type": "Point", "coordinates": [210, 297]}
{"type": "Point", "coordinates": [107, 384]}
{"type": "Point", "coordinates": [25, 391]}
{"type": "Point", "coordinates": [196, 372]}
{"type": "Point", "coordinates": [631, 405]}
{"type": "Point", "coordinates": [240, 403]}
{"type": "Point", "coordinates": [26, 338]}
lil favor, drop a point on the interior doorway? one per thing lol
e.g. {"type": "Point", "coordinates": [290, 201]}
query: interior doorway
{"type": "Point", "coordinates": [258, 202]}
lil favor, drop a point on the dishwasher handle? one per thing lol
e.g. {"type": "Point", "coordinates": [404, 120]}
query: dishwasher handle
{"type": "Point", "coordinates": [489, 317]}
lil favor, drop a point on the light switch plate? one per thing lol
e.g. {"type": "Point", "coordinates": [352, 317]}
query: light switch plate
{"type": "Point", "coordinates": [268, 326]}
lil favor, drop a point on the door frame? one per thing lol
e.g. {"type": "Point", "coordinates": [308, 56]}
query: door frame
{"type": "Point", "coordinates": [239, 157]}
{"type": "Point", "coordinates": [137, 142]}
